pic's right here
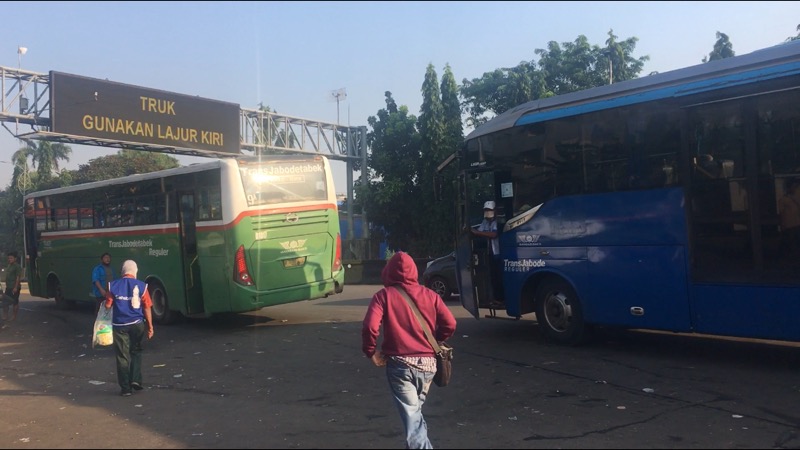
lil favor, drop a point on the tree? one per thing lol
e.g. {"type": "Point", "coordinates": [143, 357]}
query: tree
{"type": "Point", "coordinates": [722, 49]}
{"type": "Point", "coordinates": [572, 66]}
{"type": "Point", "coordinates": [794, 38]}
{"type": "Point", "coordinates": [434, 229]}
{"type": "Point", "coordinates": [125, 162]}
{"type": "Point", "coordinates": [500, 90]}
{"type": "Point", "coordinates": [618, 57]}
{"type": "Point", "coordinates": [453, 140]}
{"type": "Point", "coordinates": [391, 196]}
{"type": "Point", "coordinates": [561, 69]}
{"type": "Point", "coordinates": [45, 157]}
{"type": "Point", "coordinates": [121, 164]}
{"type": "Point", "coordinates": [10, 217]}
{"type": "Point", "coordinates": [21, 179]}
{"type": "Point", "coordinates": [451, 111]}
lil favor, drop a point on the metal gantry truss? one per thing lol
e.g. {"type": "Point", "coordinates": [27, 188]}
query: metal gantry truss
{"type": "Point", "coordinates": [26, 102]}
{"type": "Point", "coordinates": [265, 131]}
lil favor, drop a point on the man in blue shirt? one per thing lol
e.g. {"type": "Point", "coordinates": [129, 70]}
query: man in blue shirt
{"type": "Point", "coordinates": [102, 274]}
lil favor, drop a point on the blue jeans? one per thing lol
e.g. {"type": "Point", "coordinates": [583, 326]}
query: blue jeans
{"type": "Point", "coordinates": [409, 390]}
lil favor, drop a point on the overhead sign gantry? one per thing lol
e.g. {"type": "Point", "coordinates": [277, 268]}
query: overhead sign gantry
{"type": "Point", "coordinates": [73, 109]}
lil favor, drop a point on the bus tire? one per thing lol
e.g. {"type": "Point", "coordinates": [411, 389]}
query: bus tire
{"type": "Point", "coordinates": [160, 310]}
{"type": "Point", "coordinates": [559, 313]}
{"type": "Point", "coordinates": [58, 296]}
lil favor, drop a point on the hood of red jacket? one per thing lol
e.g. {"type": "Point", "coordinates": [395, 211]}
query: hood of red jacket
{"type": "Point", "coordinates": [401, 269]}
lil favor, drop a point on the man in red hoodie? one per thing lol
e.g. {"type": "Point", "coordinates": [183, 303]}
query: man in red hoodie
{"type": "Point", "coordinates": [405, 351]}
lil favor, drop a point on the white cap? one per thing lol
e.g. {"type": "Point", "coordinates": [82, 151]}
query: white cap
{"type": "Point", "coordinates": [129, 268]}
{"type": "Point", "coordinates": [488, 205]}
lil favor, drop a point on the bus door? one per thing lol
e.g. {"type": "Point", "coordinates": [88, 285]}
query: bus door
{"type": "Point", "coordinates": [191, 264]}
{"type": "Point", "coordinates": [473, 261]}
{"type": "Point", "coordinates": [31, 253]}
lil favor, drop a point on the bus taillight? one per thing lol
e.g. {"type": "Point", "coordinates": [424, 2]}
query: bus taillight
{"type": "Point", "coordinates": [337, 260]}
{"type": "Point", "coordinates": [240, 273]}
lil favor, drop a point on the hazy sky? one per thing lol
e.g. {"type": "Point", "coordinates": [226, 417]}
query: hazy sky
{"type": "Point", "coordinates": [291, 55]}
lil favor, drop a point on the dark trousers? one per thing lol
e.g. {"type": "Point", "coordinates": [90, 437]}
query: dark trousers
{"type": "Point", "coordinates": [128, 346]}
{"type": "Point", "coordinates": [14, 297]}
{"type": "Point", "coordinates": [497, 279]}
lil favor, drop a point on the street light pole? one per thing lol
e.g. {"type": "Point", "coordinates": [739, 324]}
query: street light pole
{"type": "Point", "coordinates": [20, 51]}
{"type": "Point", "coordinates": [23, 102]}
{"type": "Point", "coordinates": [22, 181]}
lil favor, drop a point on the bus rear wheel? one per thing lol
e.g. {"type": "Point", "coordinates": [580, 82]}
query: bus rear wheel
{"type": "Point", "coordinates": [161, 313]}
{"type": "Point", "coordinates": [560, 314]}
{"type": "Point", "coordinates": [58, 296]}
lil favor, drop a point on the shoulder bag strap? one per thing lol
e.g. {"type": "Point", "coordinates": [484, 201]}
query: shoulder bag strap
{"type": "Point", "coordinates": [422, 323]}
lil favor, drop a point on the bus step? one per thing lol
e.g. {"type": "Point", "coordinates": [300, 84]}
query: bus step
{"type": "Point", "coordinates": [497, 307]}
{"type": "Point", "coordinates": [493, 316]}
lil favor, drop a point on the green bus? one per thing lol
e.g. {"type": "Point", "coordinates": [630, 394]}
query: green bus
{"type": "Point", "coordinates": [230, 235]}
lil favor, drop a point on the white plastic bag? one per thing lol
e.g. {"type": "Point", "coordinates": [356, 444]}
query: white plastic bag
{"type": "Point", "coordinates": [103, 331]}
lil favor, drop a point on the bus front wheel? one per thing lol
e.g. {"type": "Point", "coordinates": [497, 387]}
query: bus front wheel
{"type": "Point", "coordinates": [161, 313]}
{"type": "Point", "coordinates": [559, 313]}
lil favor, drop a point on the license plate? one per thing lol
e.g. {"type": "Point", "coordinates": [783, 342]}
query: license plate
{"type": "Point", "coordinates": [294, 262]}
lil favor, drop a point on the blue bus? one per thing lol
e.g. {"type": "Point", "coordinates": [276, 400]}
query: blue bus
{"type": "Point", "coordinates": [663, 203]}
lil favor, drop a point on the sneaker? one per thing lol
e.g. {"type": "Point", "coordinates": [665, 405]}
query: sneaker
{"type": "Point", "coordinates": [136, 386]}
{"type": "Point", "coordinates": [126, 393]}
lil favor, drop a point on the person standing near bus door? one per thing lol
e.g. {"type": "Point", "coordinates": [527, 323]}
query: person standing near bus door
{"type": "Point", "coordinates": [102, 274]}
{"type": "Point", "coordinates": [131, 302]}
{"type": "Point", "coordinates": [13, 281]}
{"type": "Point", "coordinates": [405, 351]}
{"type": "Point", "coordinates": [488, 230]}
{"type": "Point", "coordinates": [789, 211]}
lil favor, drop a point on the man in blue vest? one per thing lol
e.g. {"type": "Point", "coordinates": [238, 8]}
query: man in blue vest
{"type": "Point", "coordinates": [131, 302]}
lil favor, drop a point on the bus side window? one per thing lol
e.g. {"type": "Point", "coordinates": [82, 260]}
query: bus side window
{"type": "Point", "coordinates": [160, 202]}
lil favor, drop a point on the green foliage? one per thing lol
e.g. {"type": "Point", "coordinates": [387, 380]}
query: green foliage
{"type": "Point", "coordinates": [121, 164]}
{"type": "Point", "coordinates": [435, 226]}
{"type": "Point", "coordinates": [617, 56]}
{"type": "Point", "coordinates": [451, 109]}
{"type": "Point", "coordinates": [794, 38]}
{"type": "Point", "coordinates": [500, 90]}
{"type": "Point", "coordinates": [722, 48]}
{"type": "Point", "coordinates": [443, 221]}
{"type": "Point", "coordinates": [405, 152]}
{"type": "Point", "coordinates": [10, 220]}
{"type": "Point", "coordinates": [392, 193]}
{"type": "Point", "coordinates": [44, 156]}
{"type": "Point", "coordinates": [561, 69]}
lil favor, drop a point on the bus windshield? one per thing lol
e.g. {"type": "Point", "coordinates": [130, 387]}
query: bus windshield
{"type": "Point", "coordinates": [269, 182]}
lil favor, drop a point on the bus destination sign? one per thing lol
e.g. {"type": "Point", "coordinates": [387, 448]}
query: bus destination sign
{"type": "Point", "coordinates": [93, 108]}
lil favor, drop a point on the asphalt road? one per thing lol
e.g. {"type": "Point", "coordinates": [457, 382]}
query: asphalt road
{"type": "Point", "coordinates": [292, 376]}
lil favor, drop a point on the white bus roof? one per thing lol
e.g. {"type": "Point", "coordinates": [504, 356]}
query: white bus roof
{"type": "Point", "coordinates": [197, 167]}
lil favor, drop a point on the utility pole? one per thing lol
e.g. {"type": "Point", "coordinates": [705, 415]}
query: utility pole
{"type": "Point", "coordinates": [338, 95]}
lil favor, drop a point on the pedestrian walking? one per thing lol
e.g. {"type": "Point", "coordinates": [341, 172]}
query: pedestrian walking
{"type": "Point", "coordinates": [132, 319]}
{"type": "Point", "coordinates": [13, 282]}
{"type": "Point", "coordinates": [405, 351]}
